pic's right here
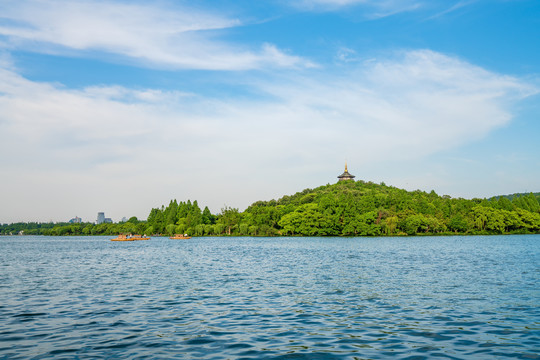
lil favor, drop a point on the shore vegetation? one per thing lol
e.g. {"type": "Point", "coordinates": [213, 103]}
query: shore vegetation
{"type": "Point", "coordinates": [348, 208]}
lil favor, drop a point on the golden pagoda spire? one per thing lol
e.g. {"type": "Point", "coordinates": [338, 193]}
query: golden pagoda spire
{"type": "Point", "coordinates": [346, 175]}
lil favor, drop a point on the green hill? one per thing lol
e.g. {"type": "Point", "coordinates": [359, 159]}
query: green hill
{"type": "Point", "coordinates": [512, 196]}
{"type": "Point", "coordinates": [348, 208]}
{"type": "Point", "coordinates": [363, 208]}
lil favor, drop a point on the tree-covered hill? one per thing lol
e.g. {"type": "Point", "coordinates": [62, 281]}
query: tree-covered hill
{"type": "Point", "coordinates": [348, 208]}
{"type": "Point", "coordinates": [363, 208]}
{"type": "Point", "coordinates": [355, 208]}
{"type": "Point", "coordinates": [517, 195]}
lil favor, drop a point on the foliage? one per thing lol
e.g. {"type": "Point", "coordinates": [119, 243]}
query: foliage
{"type": "Point", "coordinates": [358, 208]}
{"type": "Point", "coordinates": [348, 208]}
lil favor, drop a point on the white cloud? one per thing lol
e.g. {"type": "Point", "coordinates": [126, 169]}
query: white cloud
{"type": "Point", "coordinates": [101, 144]}
{"type": "Point", "coordinates": [178, 37]}
{"type": "Point", "coordinates": [416, 104]}
{"type": "Point", "coordinates": [455, 7]}
{"type": "Point", "coordinates": [347, 55]}
{"type": "Point", "coordinates": [373, 8]}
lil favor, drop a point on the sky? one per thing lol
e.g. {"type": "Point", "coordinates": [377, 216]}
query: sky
{"type": "Point", "coordinates": [121, 106]}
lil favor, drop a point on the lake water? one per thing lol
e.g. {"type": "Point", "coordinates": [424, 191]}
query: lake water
{"type": "Point", "coordinates": [270, 298]}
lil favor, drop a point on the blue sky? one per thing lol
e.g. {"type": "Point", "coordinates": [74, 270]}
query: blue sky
{"type": "Point", "coordinates": [121, 106]}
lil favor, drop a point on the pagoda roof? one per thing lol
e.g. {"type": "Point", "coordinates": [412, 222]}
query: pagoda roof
{"type": "Point", "coordinates": [346, 175]}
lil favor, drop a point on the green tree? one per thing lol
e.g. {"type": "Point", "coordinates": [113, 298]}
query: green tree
{"type": "Point", "coordinates": [458, 224]}
{"type": "Point", "coordinates": [230, 217]}
{"type": "Point", "coordinates": [171, 229]}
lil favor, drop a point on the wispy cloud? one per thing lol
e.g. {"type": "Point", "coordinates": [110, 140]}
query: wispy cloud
{"type": "Point", "coordinates": [179, 38]}
{"type": "Point", "coordinates": [373, 8]}
{"type": "Point", "coordinates": [347, 55]}
{"type": "Point", "coordinates": [406, 107]}
{"type": "Point", "coordinates": [418, 103]}
{"type": "Point", "coordinates": [458, 5]}
{"type": "Point", "coordinates": [424, 98]}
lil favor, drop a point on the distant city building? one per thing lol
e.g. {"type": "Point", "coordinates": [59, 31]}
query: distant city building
{"type": "Point", "coordinates": [100, 217]}
{"type": "Point", "coordinates": [124, 219]}
{"type": "Point", "coordinates": [346, 175]}
{"type": "Point", "coordinates": [76, 220]}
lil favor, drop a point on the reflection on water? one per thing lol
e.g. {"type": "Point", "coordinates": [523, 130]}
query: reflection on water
{"type": "Point", "coordinates": [279, 298]}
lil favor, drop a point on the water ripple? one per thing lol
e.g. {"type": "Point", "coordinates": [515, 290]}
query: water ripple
{"type": "Point", "coordinates": [287, 298]}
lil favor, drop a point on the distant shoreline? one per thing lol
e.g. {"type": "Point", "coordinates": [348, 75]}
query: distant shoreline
{"type": "Point", "coordinates": [345, 209]}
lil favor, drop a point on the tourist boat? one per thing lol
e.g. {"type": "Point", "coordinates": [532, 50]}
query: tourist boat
{"type": "Point", "coordinates": [124, 237]}
{"type": "Point", "coordinates": [180, 237]}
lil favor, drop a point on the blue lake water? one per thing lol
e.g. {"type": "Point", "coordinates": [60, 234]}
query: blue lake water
{"type": "Point", "coordinates": [270, 298]}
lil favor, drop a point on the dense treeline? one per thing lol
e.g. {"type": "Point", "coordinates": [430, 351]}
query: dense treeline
{"type": "Point", "coordinates": [360, 208]}
{"type": "Point", "coordinates": [181, 218]}
{"type": "Point", "coordinates": [352, 208]}
{"type": "Point", "coordinates": [512, 196]}
{"type": "Point", "coordinates": [348, 208]}
{"type": "Point", "coordinates": [132, 226]}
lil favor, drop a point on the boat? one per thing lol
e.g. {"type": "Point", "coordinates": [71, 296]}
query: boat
{"type": "Point", "coordinates": [129, 237]}
{"type": "Point", "coordinates": [180, 237]}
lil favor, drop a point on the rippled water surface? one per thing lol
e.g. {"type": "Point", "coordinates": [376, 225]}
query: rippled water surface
{"type": "Point", "coordinates": [282, 298]}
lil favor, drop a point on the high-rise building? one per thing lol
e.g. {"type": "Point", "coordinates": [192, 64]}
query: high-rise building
{"type": "Point", "coordinates": [100, 217]}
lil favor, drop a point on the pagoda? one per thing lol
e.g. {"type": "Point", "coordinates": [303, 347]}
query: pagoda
{"type": "Point", "coordinates": [346, 175]}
